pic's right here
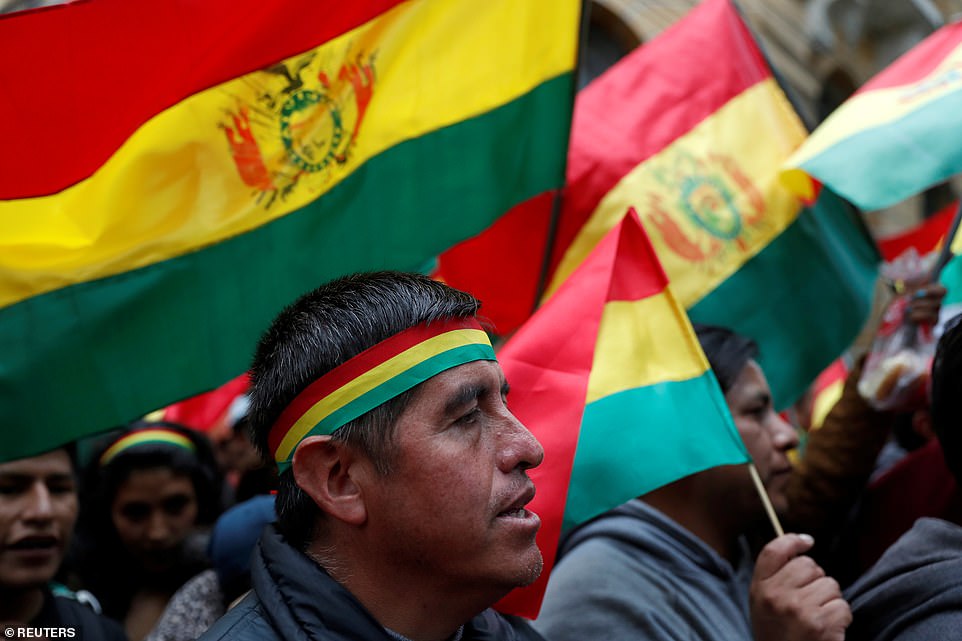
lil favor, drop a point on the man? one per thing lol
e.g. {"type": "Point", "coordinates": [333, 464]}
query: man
{"type": "Point", "coordinates": [674, 564]}
{"type": "Point", "coordinates": [402, 488]}
{"type": "Point", "coordinates": [913, 593]}
{"type": "Point", "coordinates": [38, 509]}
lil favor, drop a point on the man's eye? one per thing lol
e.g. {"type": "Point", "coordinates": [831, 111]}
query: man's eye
{"type": "Point", "coordinates": [65, 487]}
{"type": "Point", "coordinates": [470, 417]}
{"type": "Point", "coordinates": [11, 489]}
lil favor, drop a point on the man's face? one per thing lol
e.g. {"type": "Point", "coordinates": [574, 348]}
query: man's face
{"type": "Point", "coordinates": [767, 437]}
{"type": "Point", "coordinates": [452, 508]}
{"type": "Point", "coordinates": [38, 508]}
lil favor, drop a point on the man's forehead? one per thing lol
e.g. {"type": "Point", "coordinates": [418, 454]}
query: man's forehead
{"type": "Point", "coordinates": [470, 373]}
{"type": "Point", "coordinates": [455, 380]}
{"type": "Point", "coordinates": [51, 463]}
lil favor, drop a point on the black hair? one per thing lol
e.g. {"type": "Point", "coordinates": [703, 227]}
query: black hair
{"type": "Point", "coordinates": [98, 556]}
{"type": "Point", "coordinates": [947, 395]}
{"type": "Point", "coordinates": [322, 330]}
{"type": "Point", "coordinates": [728, 353]}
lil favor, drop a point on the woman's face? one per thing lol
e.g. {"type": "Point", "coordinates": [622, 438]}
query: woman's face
{"type": "Point", "coordinates": [153, 511]}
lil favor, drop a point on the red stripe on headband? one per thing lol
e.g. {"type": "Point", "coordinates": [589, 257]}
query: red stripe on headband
{"type": "Point", "coordinates": [357, 365]}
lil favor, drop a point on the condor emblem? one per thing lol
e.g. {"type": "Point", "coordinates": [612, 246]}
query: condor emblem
{"type": "Point", "coordinates": [300, 121]}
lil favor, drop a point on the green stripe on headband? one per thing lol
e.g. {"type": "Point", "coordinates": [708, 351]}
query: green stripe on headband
{"type": "Point", "coordinates": [394, 386]}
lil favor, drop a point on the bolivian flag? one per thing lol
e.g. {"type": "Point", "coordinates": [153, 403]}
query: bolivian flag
{"type": "Point", "coordinates": [691, 130]}
{"type": "Point", "coordinates": [897, 135]}
{"type": "Point", "coordinates": [174, 173]}
{"type": "Point", "coordinates": [610, 377]}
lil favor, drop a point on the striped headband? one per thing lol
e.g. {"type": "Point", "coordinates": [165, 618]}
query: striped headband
{"type": "Point", "coordinates": [374, 376]}
{"type": "Point", "coordinates": [141, 437]}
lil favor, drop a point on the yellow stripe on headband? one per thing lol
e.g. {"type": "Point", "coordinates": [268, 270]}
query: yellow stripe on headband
{"type": "Point", "coordinates": [147, 436]}
{"type": "Point", "coordinates": [374, 377]}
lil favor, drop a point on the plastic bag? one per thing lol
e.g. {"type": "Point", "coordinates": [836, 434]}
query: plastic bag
{"type": "Point", "coordinates": [896, 372]}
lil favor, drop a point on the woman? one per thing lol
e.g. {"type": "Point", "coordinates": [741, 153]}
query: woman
{"type": "Point", "coordinates": [149, 495]}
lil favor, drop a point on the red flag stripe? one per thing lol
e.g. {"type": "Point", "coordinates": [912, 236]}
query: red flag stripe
{"type": "Point", "coordinates": [123, 62]}
{"type": "Point", "coordinates": [919, 62]}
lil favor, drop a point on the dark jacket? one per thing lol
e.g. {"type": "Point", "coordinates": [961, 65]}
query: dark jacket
{"type": "Point", "coordinates": [292, 598]}
{"type": "Point", "coordinates": [66, 612]}
{"type": "Point", "coordinates": [914, 592]}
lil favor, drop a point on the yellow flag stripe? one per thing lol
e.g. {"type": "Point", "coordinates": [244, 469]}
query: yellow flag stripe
{"type": "Point", "coordinates": [665, 347]}
{"type": "Point", "coordinates": [726, 147]}
{"type": "Point", "coordinates": [174, 187]}
{"type": "Point", "coordinates": [880, 107]}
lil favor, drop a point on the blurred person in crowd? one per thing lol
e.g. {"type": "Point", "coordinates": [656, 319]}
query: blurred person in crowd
{"type": "Point", "coordinates": [832, 494]}
{"type": "Point", "coordinates": [675, 563]}
{"type": "Point", "coordinates": [206, 597]}
{"type": "Point", "coordinates": [38, 509]}
{"type": "Point", "coordinates": [252, 475]}
{"type": "Point", "coordinates": [913, 593]}
{"type": "Point", "coordinates": [150, 493]}
{"type": "Point", "coordinates": [403, 485]}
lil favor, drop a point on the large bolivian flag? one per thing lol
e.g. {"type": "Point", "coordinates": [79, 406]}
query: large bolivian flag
{"type": "Point", "coordinates": [174, 173]}
{"type": "Point", "coordinates": [610, 377]}
{"type": "Point", "coordinates": [691, 130]}
{"type": "Point", "coordinates": [897, 135]}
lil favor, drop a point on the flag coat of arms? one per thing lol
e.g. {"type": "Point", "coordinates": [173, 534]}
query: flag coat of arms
{"type": "Point", "coordinates": [173, 174]}
{"type": "Point", "coordinates": [610, 377]}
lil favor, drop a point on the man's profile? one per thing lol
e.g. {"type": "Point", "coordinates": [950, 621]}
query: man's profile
{"type": "Point", "coordinates": [403, 485]}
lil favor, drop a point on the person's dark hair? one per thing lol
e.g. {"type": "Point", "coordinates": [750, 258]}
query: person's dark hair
{"type": "Point", "coordinates": [946, 406]}
{"type": "Point", "coordinates": [728, 353]}
{"type": "Point", "coordinates": [322, 330]}
{"type": "Point", "coordinates": [97, 554]}
{"type": "Point", "coordinates": [200, 466]}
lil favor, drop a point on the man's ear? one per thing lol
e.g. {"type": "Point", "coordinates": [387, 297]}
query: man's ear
{"type": "Point", "coordinates": [324, 469]}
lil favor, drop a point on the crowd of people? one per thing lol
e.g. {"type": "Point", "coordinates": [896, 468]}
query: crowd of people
{"type": "Point", "coordinates": [392, 504]}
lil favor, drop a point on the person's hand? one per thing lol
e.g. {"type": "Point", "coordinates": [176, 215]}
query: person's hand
{"type": "Point", "coordinates": [924, 304]}
{"type": "Point", "coordinates": [791, 599]}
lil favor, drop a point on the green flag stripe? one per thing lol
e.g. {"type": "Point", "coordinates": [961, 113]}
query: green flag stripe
{"type": "Point", "coordinates": [76, 359]}
{"type": "Point", "coordinates": [615, 463]}
{"type": "Point", "coordinates": [802, 319]}
{"type": "Point", "coordinates": [881, 166]}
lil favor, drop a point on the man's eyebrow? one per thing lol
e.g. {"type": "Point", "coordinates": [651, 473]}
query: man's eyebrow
{"type": "Point", "coordinates": [760, 396]}
{"type": "Point", "coordinates": [463, 396]}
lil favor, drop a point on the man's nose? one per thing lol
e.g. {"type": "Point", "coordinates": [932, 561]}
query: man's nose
{"type": "Point", "coordinates": [520, 448]}
{"type": "Point", "coordinates": [39, 503]}
{"type": "Point", "coordinates": [784, 435]}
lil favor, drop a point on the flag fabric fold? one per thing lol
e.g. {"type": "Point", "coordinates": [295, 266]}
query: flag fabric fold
{"type": "Point", "coordinates": [163, 197]}
{"type": "Point", "coordinates": [691, 130]}
{"type": "Point", "coordinates": [610, 377]}
{"type": "Point", "coordinates": [896, 136]}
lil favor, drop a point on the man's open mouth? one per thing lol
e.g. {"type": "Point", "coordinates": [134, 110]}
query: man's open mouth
{"type": "Point", "coordinates": [35, 543]}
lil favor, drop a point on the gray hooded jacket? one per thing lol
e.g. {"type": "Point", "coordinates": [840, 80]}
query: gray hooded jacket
{"type": "Point", "coordinates": [914, 592]}
{"type": "Point", "coordinates": [634, 574]}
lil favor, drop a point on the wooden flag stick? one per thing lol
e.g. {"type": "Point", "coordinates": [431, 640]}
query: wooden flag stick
{"type": "Point", "coordinates": [763, 494]}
